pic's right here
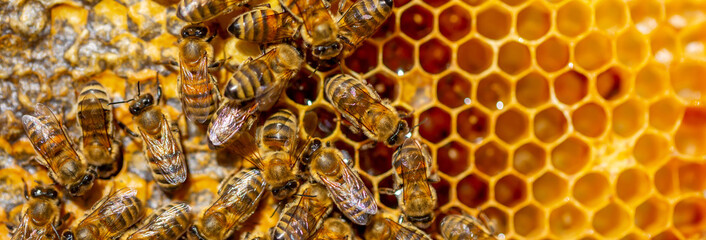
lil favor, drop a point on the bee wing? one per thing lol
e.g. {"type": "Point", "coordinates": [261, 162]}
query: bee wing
{"type": "Point", "coordinates": [229, 121]}
{"type": "Point", "coordinates": [351, 195]}
{"type": "Point", "coordinates": [163, 219]}
{"type": "Point", "coordinates": [22, 231]}
{"type": "Point", "coordinates": [365, 97]}
{"type": "Point", "coordinates": [355, 24]}
{"type": "Point", "coordinates": [110, 207]}
{"type": "Point", "coordinates": [47, 137]}
{"type": "Point", "coordinates": [410, 188]}
{"type": "Point", "coordinates": [234, 199]}
{"type": "Point", "coordinates": [246, 147]}
{"type": "Point", "coordinates": [167, 152]}
{"type": "Point", "coordinates": [93, 117]}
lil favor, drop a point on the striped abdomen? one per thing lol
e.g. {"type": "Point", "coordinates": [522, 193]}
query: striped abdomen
{"type": "Point", "coordinates": [115, 214]}
{"type": "Point", "coordinates": [164, 154]}
{"type": "Point", "coordinates": [250, 80]}
{"type": "Point", "coordinates": [263, 26]}
{"type": "Point", "coordinates": [304, 215]}
{"type": "Point", "coordinates": [94, 115]}
{"type": "Point", "coordinates": [457, 227]}
{"type": "Point", "coordinates": [351, 96]}
{"type": "Point", "coordinates": [168, 222]}
{"type": "Point", "coordinates": [199, 97]}
{"type": "Point", "coordinates": [279, 133]}
{"type": "Point", "coordinates": [363, 19]}
{"type": "Point", "coordinates": [201, 10]}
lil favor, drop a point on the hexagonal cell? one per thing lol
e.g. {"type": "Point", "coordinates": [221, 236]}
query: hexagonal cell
{"type": "Point", "coordinates": [511, 125]}
{"type": "Point", "coordinates": [550, 124]}
{"type": "Point", "coordinates": [651, 149]}
{"type": "Point", "coordinates": [665, 179]}
{"type": "Point", "coordinates": [473, 125]}
{"type": "Point", "coordinates": [369, 159]}
{"type": "Point", "coordinates": [385, 85]}
{"type": "Point", "coordinates": [570, 87]}
{"type": "Point", "coordinates": [493, 92]}
{"type": "Point", "coordinates": [498, 218]}
{"type": "Point", "coordinates": [590, 120]}
{"type": "Point", "coordinates": [529, 221]}
{"type": "Point", "coordinates": [304, 88]}
{"type": "Point", "coordinates": [651, 216]}
{"type": "Point", "coordinates": [571, 155]}
{"type": "Point", "coordinates": [690, 137]}
{"type": "Point", "coordinates": [645, 14]}
{"type": "Point", "coordinates": [529, 158]}
{"type": "Point", "coordinates": [347, 150]}
{"type": "Point", "coordinates": [358, 136]}
{"type": "Point", "coordinates": [611, 221]}
{"type": "Point", "coordinates": [613, 83]}
{"type": "Point", "coordinates": [689, 215]}
{"type": "Point", "coordinates": [632, 185]}
{"type": "Point", "coordinates": [455, 22]}
{"type": "Point", "coordinates": [631, 47]}
{"type": "Point", "coordinates": [629, 117]}
{"type": "Point", "coordinates": [364, 59]}
{"type": "Point", "coordinates": [418, 22]}
{"type": "Point", "coordinates": [474, 2]}
{"type": "Point", "coordinates": [453, 158]}
{"type": "Point", "coordinates": [434, 56]}
{"type": "Point", "coordinates": [634, 236]}
{"type": "Point", "coordinates": [513, 2]}
{"type": "Point", "coordinates": [388, 27]}
{"type": "Point", "coordinates": [532, 90]}
{"type": "Point", "coordinates": [454, 90]}
{"type": "Point", "coordinates": [437, 126]}
{"type": "Point", "coordinates": [494, 22]}
{"type": "Point", "coordinates": [398, 55]}
{"type": "Point", "coordinates": [651, 80]}
{"type": "Point", "coordinates": [510, 190]}
{"type": "Point", "coordinates": [534, 21]}
{"type": "Point", "coordinates": [514, 57]}
{"type": "Point", "coordinates": [665, 113]}
{"type": "Point", "coordinates": [573, 18]}
{"type": "Point", "coordinates": [663, 44]}
{"type": "Point", "coordinates": [592, 189]}
{"type": "Point", "coordinates": [567, 221]}
{"type": "Point", "coordinates": [552, 54]}
{"type": "Point", "coordinates": [477, 56]}
{"type": "Point", "coordinates": [491, 158]}
{"type": "Point", "coordinates": [472, 191]}
{"type": "Point", "coordinates": [666, 235]}
{"type": "Point", "coordinates": [326, 119]}
{"type": "Point", "coordinates": [691, 177]}
{"type": "Point", "coordinates": [611, 15]}
{"type": "Point", "coordinates": [549, 189]}
{"type": "Point", "coordinates": [436, 3]}
{"type": "Point", "coordinates": [686, 81]}
{"type": "Point", "coordinates": [593, 51]}
{"type": "Point", "coordinates": [443, 188]}
{"type": "Point", "coordinates": [387, 200]}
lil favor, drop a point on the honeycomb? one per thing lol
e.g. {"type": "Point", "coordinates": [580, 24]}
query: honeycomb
{"type": "Point", "coordinates": [558, 119]}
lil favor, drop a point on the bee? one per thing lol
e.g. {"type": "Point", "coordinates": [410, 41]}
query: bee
{"type": "Point", "coordinates": [413, 172]}
{"type": "Point", "coordinates": [263, 25]}
{"type": "Point", "coordinates": [49, 139]}
{"type": "Point", "coordinates": [264, 77]}
{"type": "Point", "coordinates": [345, 186]}
{"type": "Point", "coordinates": [194, 11]}
{"type": "Point", "coordinates": [361, 21]}
{"type": "Point", "coordinates": [109, 217]}
{"type": "Point", "coordinates": [334, 228]}
{"type": "Point", "coordinates": [318, 29]}
{"type": "Point", "coordinates": [198, 89]}
{"type": "Point", "coordinates": [95, 118]}
{"type": "Point", "coordinates": [229, 122]}
{"type": "Point", "coordinates": [168, 222]}
{"type": "Point", "coordinates": [456, 227]}
{"type": "Point", "coordinates": [361, 105]}
{"type": "Point", "coordinates": [305, 214]}
{"type": "Point", "coordinates": [40, 216]}
{"type": "Point", "coordinates": [239, 196]}
{"type": "Point", "coordinates": [383, 228]}
{"type": "Point", "coordinates": [254, 236]}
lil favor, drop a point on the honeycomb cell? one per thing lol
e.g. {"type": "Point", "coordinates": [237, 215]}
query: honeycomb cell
{"type": "Point", "coordinates": [434, 56]}
{"type": "Point", "coordinates": [364, 59]}
{"type": "Point", "coordinates": [455, 22]}
{"type": "Point", "coordinates": [651, 216]}
{"type": "Point", "coordinates": [690, 138]}
{"type": "Point", "coordinates": [513, 2]}
{"type": "Point", "coordinates": [613, 83]}
{"type": "Point", "coordinates": [514, 57]}
{"type": "Point", "coordinates": [529, 158]}
{"type": "Point", "coordinates": [477, 56]}
{"type": "Point", "coordinates": [550, 124]}
{"type": "Point", "coordinates": [473, 125]}
{"type": "Point", "coordinates": [494, 22]}
{"type": "Point", "coordinates": [511, 125]}
{"type": "Point", "coordinates": [593, 51]}
{"type": "Point", "coordinates": [691, 177]}
{"type": "Point", "coordinates": [631, 47]}
{"type": "Point", "coordinates": [532, 90]}
{"type": "Point", "coordinates": [453, 158]}
{"type": "Point", "coordinates": [573, 18]}
{"type": "Point", "coordinates": [664, 45]}
{"type": "Point", "coordinates": [688, 216]}
{"type": "Point", "coordinates": [645, 14]}
{"type": "Point", "coordinates": [474, 2]}
{"type": "Point", "coordinates": [665, 179]}
{"type": "Point", "coordinates": [570, 87]}
{"type": "Point", "coordinates": [491, 158]}
{"type": "Point", "coordinates": [611, 221]}
{"type": "Point", "coordinates": [634, 236]}
{"type": "Point", "coordinates": [592, 189]}
{"type": "Point", "coordinates": [590, 120]}
{"type": "Point", "coordinates": [666, 235]}
{"type": "Point", "coordinates": [418, 22]}
{"type": "Point", "coordinates": [687, 82]}
{"type": "Point", "coordinates": [385, 85]}
{"type": "Point", "coordinates": [498, 218]}
{"type": "Point", "coordinates": [567, 221]}
{"type": "Point", "coordinates": [437, 124]}
{"type": "Point", "coordinates": [347, 150]}
{"type": "Point", "coordinates": [352, 133]}
{"type": "Point", "coordinates": [375, 160]}
{"type": "Point", "coordinates": [571, 155]}
{"type": "Point", "coordinates": [387, 200]}
{"type": "Point", "coordinates": [493, 92]}
{"type": "Point", "coordinates": [629, 117]}
{"type": "Point", "coordinates": [398, 55]}
{"type": "Point", "coordinates": [453, 90]}
{"type": "Point", "coordinates": [304, 90]}
{"type": "Point", "coordinates": [388, 27]}
{"type": "Point", "coordinates": [325, 119]}
{"type": "Point", "coordinates": [611, 15]}
{"type": "Point", "coordinates": [472, 191]}
{"type": "Point", "coordinates": [529, 221]}
{"type": "Point", "coordinates": [552, 54]}
{"type": "Point", "coordinates": [651, 149]}
{"type": "Point", "coordinates": [665, 113]}
{"type": "Point", "coordinates": [436, 3]}
{"type": "Point", "coordinates": [549, 189]}
{"type": "Point", "coordinates": [632, 185]}
{"type": "Point", "coordinates": [534, 21]}
{"type": "Point", "coordinates": [443, 188]}
{"type": "Point", "coordinates": [510, 190]}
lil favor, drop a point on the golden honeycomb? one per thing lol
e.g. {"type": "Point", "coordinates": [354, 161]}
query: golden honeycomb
{"type": "Point", "coordinates": [558, 119]}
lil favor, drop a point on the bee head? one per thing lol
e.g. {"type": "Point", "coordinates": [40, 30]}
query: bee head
{"type": "Point", "coordinates": [327, 51]}
{"type": "Point", "coordinates": [399, 134]}
{"type": "Point", "coordinates": [311, 148]}
{"type": "Point", "coordinates": [387, 2]}
{"type": "Point", "coordinates": [142, 103]}
{"type": "Point", "coordinates": [81, 186]}
{"type": "Point", "coordinates": [195, 234]}
{"type": "Point", "coordinates": [67, 235]}
{"type": "Point", "coordinates": [286, 190]}
{"type": "Point", "coordinates": [423, 221]}
{"type": "Point", "coordinates": [44, 192]}
{"type": "Point", "coordinates": [194, 31]}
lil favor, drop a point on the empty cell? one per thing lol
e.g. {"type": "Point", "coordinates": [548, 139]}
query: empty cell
{"type": "Point", "coordinates": [443, 189]}
{"type": "Point", "coordinates": [472, 191]}
{"type": "Point", "coordinates": [570, 87]}
{"type": "Point", "coordinates": [687, 82]}
{"type": "Point", "coordinates": [592, 189]}
{"type": "Point", "coordinates": [418, 22]}
{"type": "Point", "coordinates": [304, 89]}
{"type": "Point", "coordinates": [590, 120]}
{"type": "Point", "coordinates": [571, 155]}
{"type": "Point", "coordinates": [593, 51]}
{"type": "Point", "coordinates": [573, 18]}
{"type": "Point", "coordinates": [692, 177]}
{"type": "Point", "coordinates": [552, 54]}
{"type": "Point", "coordinates": [473, 125]}
{"type": "Point", "coordinates": [388, 27]}
{"type": "Point", "coordinates": [436, 3]}
{"type": "Point", "coordinates": [498, 218]}
{"type": "Point", "coordinates": [549, 189]}
{"type": "Point", "coordinates": [631, 47]}
{"type": "Point", "coordinates": [385, 85]}
{"type": "Point", "coordinates": [494, 22]}
{"type": "Point", "coordinates": [534, 21]}
{"type": "Point", "coordinates": [491, 158]}
{"type": "Point", "coordinates": [529, 158]}
{"type": "Point", "coordinates": [477, 56]}
{"type": "Point", "coordinates": [629, 117]}
{"type": "Point", "coordinates": [437, 126]}
{"type": "Point", "coordinates": [514, 57]}
{"type": "Point", "coordinates": [666, 235]}
{"type": "Point", "coordinates": [453, 158]}
{"type": "Point", "coordinates": [434, 56]}
{"type": "Point", "coordinates": [532, 90]}
{"type": "Point", "coordinates": [347, 150]}
{"type": "Point", "coordinates": [651, 149]}
{"type": "Point", "coordinates": [611, 221]}
{"type": "Point", "coordinates": [355, 135]}
{"type": "Point", "coordinates": [567, 221]}
{"type": "Point", "coordinates": [455, 22]}
{"type": "Point", "coordinates": [510, 190]}
{"type": "Point", "coordinates": [690, 216]}
{"type": "Point", "coordinates": [398, 55]}
{"type": "Point", "coordinates": [651, 215]}
{"type": "Point", "coordinates": [375, 160]}
{"type": "Point", "coordinates": [400, 3]}
{"type": "Point", "coordinates": [645, 14]}
{"type": "Point", "coordinates": [529, 221]}
{"type": "Point", "coordinates": [613, 83]}
{"type": "Point", "coordinates": [665, 178]}
{"type": "Point", "coordinates": [550, 124]}
{"type": "Point", "coordinates": [664, 45]}
{"type": "Point", "coordinates": [511, 126]}
{"type": "Point", "coordinates": [690, 138]}
{"type": "Point", "coordinates": [652, 80]}
{"type": "Point", "coordinates": [364, 59]}
{"type": "Point", "coordinates": [454, 90]}
{"type": "Point", "coordinates": [632, 185]}
{"type": "Point", "coordinates": [493, 92]}
{"type": "Point", "coordinates": [665, 113]}
{"type": "Point", "coordinates": [611, 15]}
{"type": "Point", "coordinates": [387, 200]}
{"type": "Point", "coordinates": [325, 119]}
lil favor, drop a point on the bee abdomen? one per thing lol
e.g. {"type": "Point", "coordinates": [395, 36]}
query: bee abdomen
{"type": "Point", "coordinates": [279, 129]}
{"type": "Point", "coordinates": [200, 105]}
{"type": "Point", "coordinates": [245, 83]}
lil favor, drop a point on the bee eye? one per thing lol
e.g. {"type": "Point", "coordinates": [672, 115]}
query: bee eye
{"type": "Point", "coordinates": [36, 193]}
{"type": "Point", "coordinates": [291, 184]}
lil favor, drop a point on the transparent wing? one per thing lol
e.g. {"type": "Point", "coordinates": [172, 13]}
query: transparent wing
{"type": "Point", "coordinates": [167, 153]}
{"type": "Point", "coordinates": [110, 209]}
{"type": "Point", "coordinates": [351, 194]}
{"type": "Point", "coordinates": [47, 137]}
{"type": "Point", "coordinates": [92, 117]}
{"type": "Point", "coordinates": [230, 121]}
{"type": "Point", "coordinates": [364, 98]}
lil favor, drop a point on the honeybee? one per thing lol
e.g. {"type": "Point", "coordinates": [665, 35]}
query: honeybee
{"type": "Point", "coordinates": [263, 25]}
{"type": "Point", "coordinates": [319, 31]}
{"type": "Point", "coordinates": [229, 122]}
{"type": "Point", "coordinates": [361, 21]}
{"type": "Point", "coordinates": [345, 186]}
{"type": "Point", "coordinates": [413, 172]}
{"type": "Point", "coordinates": [361, 105]}
{"type": "Point", "coordinates": [239, 196]}
{"type": "Point", "coordinates": [95, 118]}
{"type": "Point", "coordinates": [194, 11]}
{"type": "Point", "coordinates": [264, 77]}
{"type": "Point", "coordinates": [109, 217]}
{"type": "Point", "coordinates": [383, 228]}
{"type": "Point", "coordinates": [168, 222]}
{"type": "Point", "coordinates": [49, 139]}
{"type": "Point", "coordinates": [198, 89]}
{"type": "Point", "coordinates": [254, 236]}
{"type": "Point", "coordinates": [334, 228]}
{"type": "Point", "coordinates": [456, 227]}
{"type": "Point", "coordinates": [305, 214]}
{"type": "Point", "coordinates": [40, 216]}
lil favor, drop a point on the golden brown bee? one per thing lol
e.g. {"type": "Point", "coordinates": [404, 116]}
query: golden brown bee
{"type": "Point", "coordinates": [168, 222]}
{"type": "Point", "coordinates": [194, 11]}
{"type": "Point", "coordinates": [239, 196]}
{"type": "Point", "coordinates": [40, 216]}
{"type": "Point", "coordinates": [319, 32]}
{"type": "Point", "coordinates": [334, 228]}
{"type": "Point", "coordinates": [413, 172]}
{"type": "Point", "coordinates": [254, 236]}
{"type": "Point", "coordinates": [263, 25]}
{"type": "Point", "coordinates": [95, 118]}
{"type": "Point", "coordinates": [457, 227]}
{"type": "Point", "coordinates": [229, 122]}
{"type": "Point", "coordinates": [344, 185]}
{"type": "Point", "coordinates": [305, 214]}
{"type": "Point", "coordinates": [198, 89]}
{"type": "Point", "coordinates": [264, 77]}
{"type": "Point", "coordinates": [361, 105]}
{"type": "Point", "coordinates": [66, 166]}
{"type": "Point", "coordinates": [109, 217]}
{"type": "Point", "coordinates": [383, 228]}
{"type": "Point", "coordinates": [361, 21]}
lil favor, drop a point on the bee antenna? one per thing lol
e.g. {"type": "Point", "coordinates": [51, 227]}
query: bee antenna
{"type": "Point", "coordinates": [25, 188]}
{"type": "Point", "coordinates": [129, 100]}
{"type": "Point", "coordinates": [409, 133]}
{"type": "Point", "coordinates": [277, 209]}
{"type": "Point", "coordinates": [304, 195]}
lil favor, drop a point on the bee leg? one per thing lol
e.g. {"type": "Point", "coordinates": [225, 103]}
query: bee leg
{"type": "Point", "coordinates": [341, 5]}
{"type": "Point", "coordinates": [433, 178]}
{"type": "Point", "coordinates": [368, 145]}
{"type": "Point", "coordinates": [127, 130]}
{"type": "Point", "coordinates": [216, 65]}
{"type": "Point", "coordinates": [387, 191]}
{"type": "Point", "coordinates": [262, 6]}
